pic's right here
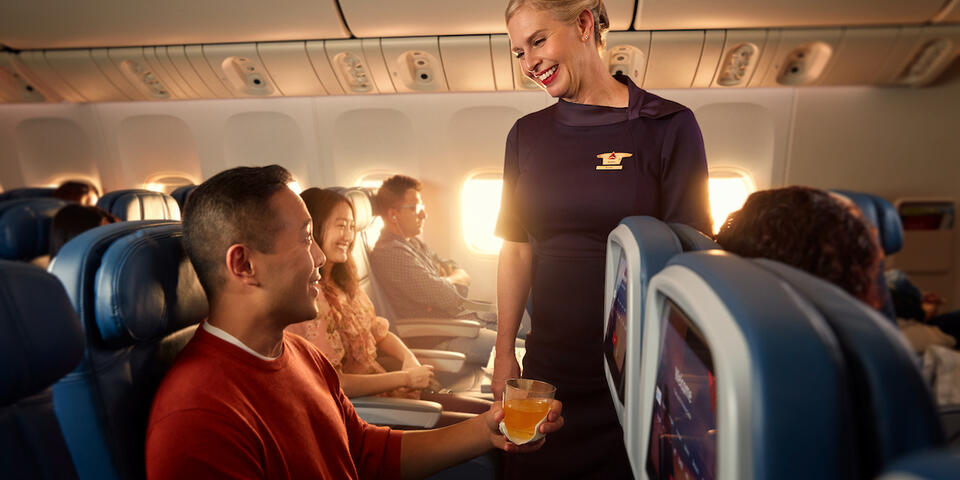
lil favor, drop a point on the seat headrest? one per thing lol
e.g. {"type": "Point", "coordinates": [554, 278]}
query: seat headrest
{"type": "Point", "coordinates": [25, 227]}
{"type": "Point", "coordinates": [137, 204]}
{"type": "Point", "coordinates": [132, 281]}
{"type": "Point", "coordinates": [362, 205]}
{"type": "Point", "coordinates": [27, 192]}
{"type": "Point", "coordinates": [691, 239]}
{"type": "Point", "coordinates": [181, 194]}
{"type": "Point", "coordinates": [40, 335]}
{"type": "Point", "coordinates": [882, 215]}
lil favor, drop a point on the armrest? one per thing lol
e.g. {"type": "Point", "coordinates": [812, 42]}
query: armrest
{"type": "Point", "coordinates": [437, 327]}
{"type": "Point", "coordinates": [480, 306]}
{"type": "Point", "coordinates": [397, 411]}
{"type": "Point", "coordinates": [442, 360]}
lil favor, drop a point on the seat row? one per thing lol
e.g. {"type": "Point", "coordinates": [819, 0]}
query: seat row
{"type": "Point", "coordinates": [733, 368]}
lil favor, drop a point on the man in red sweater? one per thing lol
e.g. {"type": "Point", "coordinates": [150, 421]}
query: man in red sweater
{"type": "Point", "coordinates": [244, 400]}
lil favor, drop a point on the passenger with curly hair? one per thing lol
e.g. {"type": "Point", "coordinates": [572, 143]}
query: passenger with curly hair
{"type": "Point", "coordinates": [813, 230]}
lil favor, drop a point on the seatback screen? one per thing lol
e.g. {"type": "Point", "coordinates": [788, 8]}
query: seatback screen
{"type": "Point", "coordinates": [683, 430]}
{"type": "Point", "coordinates": [615, 338]}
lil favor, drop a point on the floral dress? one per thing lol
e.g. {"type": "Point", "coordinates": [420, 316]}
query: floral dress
{"type": "Point", "coordinates": [348, 334]}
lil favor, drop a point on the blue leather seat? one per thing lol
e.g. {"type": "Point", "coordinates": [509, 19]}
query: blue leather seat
{"type": "Point", "coordinates": [40, 341]}
{"type": "Point", "coordinates": [895, 414]}
{"type": "Point", "coordinates": [181, 194]}
{"type": "Point", "coordinates": [26, 192]}
{"type": "Point", "coordinates": [691, 239]}
{"type": "Point", "coordinates": [137, 204]}
{"type": "Point", "coordinates": [929, 465]}
{"type": "Point", "coordinates": [139, 301]}
{"type": "Point", "coordinates": [25, 227]}
{"type": "Point", "coordinates": [881, 214]}
{"type": "Point", "coordinates": [780, 374]}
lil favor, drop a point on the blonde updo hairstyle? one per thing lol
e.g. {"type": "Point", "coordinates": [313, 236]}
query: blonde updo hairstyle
{"type": "Point", "coordinates": [568, 11]}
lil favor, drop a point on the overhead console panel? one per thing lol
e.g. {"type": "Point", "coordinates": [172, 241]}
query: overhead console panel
{"type": "Point", "coordinates": [390, 18]}
{"type": "Point", "coordinates": [711, 14]}
{"type": "Point", "coordinates": [38, 24]}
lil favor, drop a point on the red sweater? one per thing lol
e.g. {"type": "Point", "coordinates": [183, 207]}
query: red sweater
{"type": "Point", "coordinates": [223, 413]}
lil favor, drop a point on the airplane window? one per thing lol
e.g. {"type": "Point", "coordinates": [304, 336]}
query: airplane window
{"type": "Point", "coordinates": [479, 207]}
{"type": "Point", "coordinates": [728, 190]}
{"type": "Point", "coordinates": [167, 183]}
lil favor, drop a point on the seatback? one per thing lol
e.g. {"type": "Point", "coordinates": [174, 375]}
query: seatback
{"type": "Point", "coordinates": [929, 465]}
{"type": "Point", "coordinates": [881, 214]}
{"type": "Point", "coordinates": [40, 341]}
{"type": "Point", "coordinates": [775, 378]}
{"type": "Point", "coordinates": [26, 192]}
{"type": "Point", "coordinates": [181, 194]}
{"type": "Point", "coordinates": [138, 204]}
{"type": "Point", "coordinates": [366, 228]}
{"type": "Point", "coordinates": [895, 412]}
{"type": "Point", "coordinates": [139, 301]}
{"type": "Point", "coordinates": [25, 227]}
{"type": "Point", "coordinates": [691, 239]}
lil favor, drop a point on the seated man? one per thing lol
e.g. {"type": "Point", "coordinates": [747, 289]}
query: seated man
{"type": "Point", "coordinates": [77, 191]}
{"type": "Point", "coordinates": [244, 399]}
{"type": "Point", "coordinates": [417, 282]}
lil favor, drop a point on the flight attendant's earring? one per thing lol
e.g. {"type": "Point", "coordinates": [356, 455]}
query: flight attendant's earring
{"type": "Point", "coordinates": [586, 36]}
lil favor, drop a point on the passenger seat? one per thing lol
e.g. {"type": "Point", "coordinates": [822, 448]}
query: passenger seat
{"type": "Point", "coordinates": [40, 341]}
{"type": "Point", "coordinates": [25, 229]}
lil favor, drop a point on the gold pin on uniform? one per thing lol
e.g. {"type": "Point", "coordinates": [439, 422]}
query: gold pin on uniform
{"type": "Point", "coordinates": [611, 160]}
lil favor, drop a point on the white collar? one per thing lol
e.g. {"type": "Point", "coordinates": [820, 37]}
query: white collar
{"type": "Point", "coordinates": [221, 334]}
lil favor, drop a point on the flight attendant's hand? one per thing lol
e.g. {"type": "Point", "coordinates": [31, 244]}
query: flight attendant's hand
{"type": "Point", "coordinates": [553, 423]}
{"type": "Point", "coordinates": [505, 367]}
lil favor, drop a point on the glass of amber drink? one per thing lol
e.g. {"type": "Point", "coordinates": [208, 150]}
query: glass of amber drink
{"type": "Point", "coordinates": [525, 404]}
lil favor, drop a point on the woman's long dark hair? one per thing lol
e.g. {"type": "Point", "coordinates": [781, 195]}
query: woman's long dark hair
{"type": "Point", "coordinates": [812, 230]}
{"type": "Point", "coordinates": [320, 204]}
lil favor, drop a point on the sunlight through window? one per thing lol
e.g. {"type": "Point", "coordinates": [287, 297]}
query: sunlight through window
{"type": "Point", "coordinates": [728, 191]}
{"type": "Point", "coordinates": [480, 205]}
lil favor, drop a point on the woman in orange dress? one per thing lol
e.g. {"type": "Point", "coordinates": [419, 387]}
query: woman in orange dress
{"type": "Point", "coordinates": [350, 333]}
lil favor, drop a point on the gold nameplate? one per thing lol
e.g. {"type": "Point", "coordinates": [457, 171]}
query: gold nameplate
{"type": "Point", "coordinates": [611, 160]}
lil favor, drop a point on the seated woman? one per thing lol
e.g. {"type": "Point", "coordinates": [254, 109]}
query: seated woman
{"type": "Point", "coordinates": [350, 333]}
{"type": "Point", "coordinates": [77, 191]}
{"type": "Point", "coordinates": [810, 229]}
{"type": "Point", "coordinates": [72, 220]}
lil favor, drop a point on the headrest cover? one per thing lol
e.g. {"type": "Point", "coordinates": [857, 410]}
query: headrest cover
{"type": "Point", "coordinates": [27, 192]}
{"type": "Point", "coordinates": [362, 205]}
{"type": "Point", "coordinates": [137, 204]}
{"type": "Point", "coordinates": [146, 287]}
{"type": "Point", "coordinates": [25, 227]}
{"type": "Point", "coordinates": [40, 335]}
{"type": "Point", "coordinates": [882, 215]}
{"type": "Point", "coordinates": [691, 239]}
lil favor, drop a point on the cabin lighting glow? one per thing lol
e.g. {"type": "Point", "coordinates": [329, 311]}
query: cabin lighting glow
{"type": "Point", "coordinates": [295, 186]}
{"type": "Point", "coordinates": [728, 191]}
{"type": "Point", "coordinates": [156, 187]}
{"type": "Point", "coordinates": [479, 207]}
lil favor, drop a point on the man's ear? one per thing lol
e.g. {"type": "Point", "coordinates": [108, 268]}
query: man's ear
{"type": "Point", "coordinates": [391, 215]}
{"type": "Point", "coordinates": [240, 264]}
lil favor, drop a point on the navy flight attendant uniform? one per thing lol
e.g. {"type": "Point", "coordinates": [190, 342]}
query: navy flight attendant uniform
{"type": "Point", "coordinates": [571, 173]}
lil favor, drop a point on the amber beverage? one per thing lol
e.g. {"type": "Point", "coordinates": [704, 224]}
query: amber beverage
{"type": "Point", "coordinates": [525, 403]}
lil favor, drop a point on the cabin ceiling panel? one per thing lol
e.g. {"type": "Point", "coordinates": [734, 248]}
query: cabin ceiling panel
{"type": "Point", "coordinates": [119, 23]}
{"type": "Point", "coordinates": [711, 14]}
{"type": "Point", "coordinates": [390, 18]}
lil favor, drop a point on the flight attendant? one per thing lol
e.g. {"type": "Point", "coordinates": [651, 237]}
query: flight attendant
{"type": "Point", "coordinates": [606, 150]}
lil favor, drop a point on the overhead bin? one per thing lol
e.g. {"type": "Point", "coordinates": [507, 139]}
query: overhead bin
{"type": "Point", "coordinates": [390, 18]}
{"type": "Point", "coordinates": [711, 14]}
{"type": "Point", "coordinates": [46, 24]}
{"type": "Point", "coordinates": [16, 84]}
{"type": "Point", "coordinates": [503, 61]}
{"type": "Point", "coordinates": [290, 68]}
{"type": "Point", "coordinates": [673, 59]}
{"type": "Point", "coordinates": [862, 53]}
{"type": "Point", "coordinates": [467, 63]}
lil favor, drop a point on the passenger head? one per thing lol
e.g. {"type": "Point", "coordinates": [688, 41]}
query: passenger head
{"type": "Point", "coordinates": [72, 220]}
{"type": "Point", "coordinates": [246, 231]}
{"type": "Point", "coordinates": [84, 193]}
{"type": "Point", "coordinates": [335, 230]}
{"type": "Point", "coordinates": [399, 202]}
{"type": "Point", "coordinates": [566, 34]}
{"type": "Point", "coordinates": [812, 230]}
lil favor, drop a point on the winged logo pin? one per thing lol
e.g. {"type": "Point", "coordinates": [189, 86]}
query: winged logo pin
{"type": "Point", "coordinates": [611, 160]}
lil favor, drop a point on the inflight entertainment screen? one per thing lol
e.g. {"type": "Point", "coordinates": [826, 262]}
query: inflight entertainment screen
{"type": "Point", "coordinates": [683, 430]}
{"type": "Point", "coordinates": [615, 340]}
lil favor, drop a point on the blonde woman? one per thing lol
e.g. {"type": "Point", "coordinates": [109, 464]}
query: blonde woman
{"type": "Point", "coordinates": [606, 150]}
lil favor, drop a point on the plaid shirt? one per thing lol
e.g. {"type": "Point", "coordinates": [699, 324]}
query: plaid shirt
{"type": "Point", "coordinates": [414, 278]}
